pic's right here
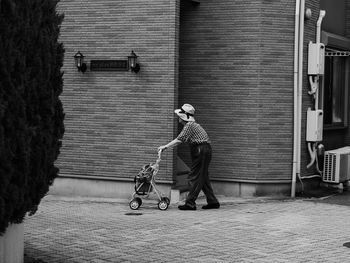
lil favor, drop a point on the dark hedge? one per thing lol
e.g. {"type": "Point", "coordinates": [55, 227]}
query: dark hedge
{"type": "Point", "coordinates": [31, 113]}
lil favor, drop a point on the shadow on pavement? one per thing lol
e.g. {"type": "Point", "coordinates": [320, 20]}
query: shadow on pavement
{"type": "Point", "coordinates": [327, 195]}
{"type": "Point", "coordinates": [32, 260]}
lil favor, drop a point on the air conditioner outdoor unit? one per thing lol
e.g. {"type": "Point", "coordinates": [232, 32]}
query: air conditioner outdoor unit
{"type": "Point", "coordinates": [336, 166]}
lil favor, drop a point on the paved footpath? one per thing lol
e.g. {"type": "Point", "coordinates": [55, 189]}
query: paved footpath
{"type": "Point", "coordinates": [81, 230]}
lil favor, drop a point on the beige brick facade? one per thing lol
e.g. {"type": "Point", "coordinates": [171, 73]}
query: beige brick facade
{"type": "Point", "coordinates": [116, 120]}
{"type": "Point", "coordinates": [233, 60]}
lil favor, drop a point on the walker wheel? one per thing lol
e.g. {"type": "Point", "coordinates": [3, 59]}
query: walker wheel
{"type": "Point", "coordinates": [139, 200]}
{"type": "Point", "coordinates": [163, 204]}
{"type": "Point", "coordinates": [166, 199]}
{"type": "Point", "coordinates": [134, 204]}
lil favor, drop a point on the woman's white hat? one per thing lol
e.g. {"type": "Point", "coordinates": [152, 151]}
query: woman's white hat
{"type": "Point", "coordinates": [186, 112]}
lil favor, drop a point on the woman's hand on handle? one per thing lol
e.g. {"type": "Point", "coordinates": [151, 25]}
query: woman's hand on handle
{"type": "Point", "coordinates": [171, 144]}
{"type": "Point", "coordinates": [162, 148]}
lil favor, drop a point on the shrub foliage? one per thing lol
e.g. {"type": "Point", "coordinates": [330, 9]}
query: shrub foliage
{"type": "Point", "coordinates": [31, 113]}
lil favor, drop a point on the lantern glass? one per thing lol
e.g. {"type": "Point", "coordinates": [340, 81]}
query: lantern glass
{"type": "Point", "coordinates": [79, 59]}
{"type": "Point", "coordinates": [132, 59]}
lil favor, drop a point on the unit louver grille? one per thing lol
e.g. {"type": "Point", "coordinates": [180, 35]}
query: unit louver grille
{"type": "Point", "coordinates": [336, 166]}
{"type": "Point", "coordinates": [329, 165]}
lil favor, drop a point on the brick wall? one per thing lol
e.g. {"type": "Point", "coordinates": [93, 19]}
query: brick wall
{"type": "Point", "coordinates": [235, 61]}
{"type": "Point", "coordinates": [116, 120]}
{"type": "Point", "coordinates": [275, 91]}
{"type": "Point", "coordinates": [236, 67]}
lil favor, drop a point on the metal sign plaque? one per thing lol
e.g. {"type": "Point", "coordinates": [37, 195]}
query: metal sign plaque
{"type": "Point", "coordinates": [108, 65]}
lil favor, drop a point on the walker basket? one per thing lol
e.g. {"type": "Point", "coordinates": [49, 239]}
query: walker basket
{"type": "Point", "coordinates": [143, 188]}
{"type": "Point", "coordinates": [143, 179]}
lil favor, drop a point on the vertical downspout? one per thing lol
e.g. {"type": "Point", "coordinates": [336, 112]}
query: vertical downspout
{"type": "Point", "coordinates": [300, 80]}
{"type": "Point", "coordinates": [318, 40]}
{"type": "Point", "coordinates": [295, 116]}
{"type": "Point", "coordinates": [298, 74]}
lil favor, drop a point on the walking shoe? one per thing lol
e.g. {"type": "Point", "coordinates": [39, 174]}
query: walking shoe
{"type": "Point", "coordinates": [211, 206]}
{"type": "Point", "coordinates": [186, 207]}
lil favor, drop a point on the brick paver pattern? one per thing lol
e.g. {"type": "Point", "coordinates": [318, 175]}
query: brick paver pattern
{"type": "Point", "coordinates": [71, 231]}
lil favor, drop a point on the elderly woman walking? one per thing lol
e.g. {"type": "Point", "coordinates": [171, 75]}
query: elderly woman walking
{"type": "Point", "coordinates": [198, 140]}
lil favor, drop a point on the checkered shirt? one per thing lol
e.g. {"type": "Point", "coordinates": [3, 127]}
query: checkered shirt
{"type": "Point", "coordinates": [193, 133]}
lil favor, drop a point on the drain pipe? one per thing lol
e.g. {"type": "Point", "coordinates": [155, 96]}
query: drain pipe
{"type": "Point", "coordinates": [318, 40]}
{"type": "Point", "coordinates": [318, 26]}
{"type": "Point", "coordinates": [298, 81]}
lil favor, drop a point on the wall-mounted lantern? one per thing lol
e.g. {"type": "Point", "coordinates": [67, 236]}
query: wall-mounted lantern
{"type": "Point", "coordinates": [132, 61]}
{"type": "Point", "coordinates": [79, 62]}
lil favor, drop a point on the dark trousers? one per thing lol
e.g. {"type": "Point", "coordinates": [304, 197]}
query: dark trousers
{"type": "Point", "coordinates": [199, 176]}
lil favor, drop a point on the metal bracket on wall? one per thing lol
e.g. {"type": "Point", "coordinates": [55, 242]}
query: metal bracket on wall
{"type": "Point", "coordinates": [330, 52]}
{"type": "Point", "coordinates": [337, 54]}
